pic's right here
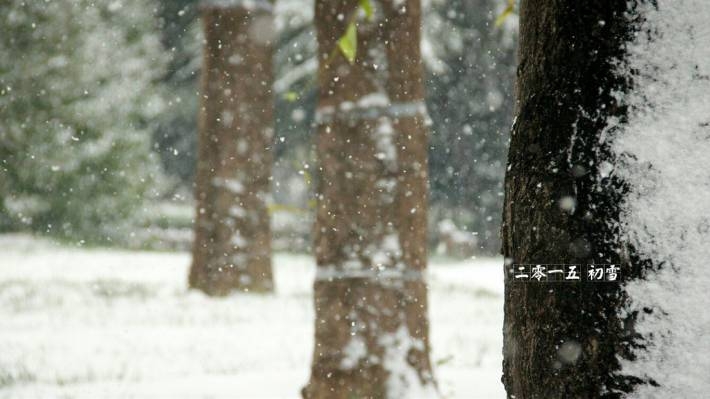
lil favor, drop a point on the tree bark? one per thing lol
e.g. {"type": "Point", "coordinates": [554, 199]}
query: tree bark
{"type": "Point", "coordinates": [232, 247]}
{"type": "Point", "coordinates": [564, 340]}
{"type": "Point", "coordinates": [371, 327]}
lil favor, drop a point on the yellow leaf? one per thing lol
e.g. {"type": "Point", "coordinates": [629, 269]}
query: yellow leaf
{"type": "Point", "coordinates": [348, 43]}
{"type": "Point", "coordinates": [290, 96]}
{"type": "Point", "coordinates": [506, 13]}
{"type": "Point", "coordinates": [366, 6]}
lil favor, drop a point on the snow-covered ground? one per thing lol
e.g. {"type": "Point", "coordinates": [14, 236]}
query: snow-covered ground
{"type": "Point", "coordinates": [97, 323]}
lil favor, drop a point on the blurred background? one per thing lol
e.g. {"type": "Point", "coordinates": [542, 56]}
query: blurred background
{"type": "Point", "coordinates": [98, 126]}
{"type": "Point", "coordinates": [99, 100]}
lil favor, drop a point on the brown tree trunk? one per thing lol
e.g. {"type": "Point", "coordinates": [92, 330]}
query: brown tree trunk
{"type": "Point", "coordinates": [564, 340]}
{"type": "Point", "coordinates": [232, 248]}
{"type": "Point", "coordinates": [371, 328]}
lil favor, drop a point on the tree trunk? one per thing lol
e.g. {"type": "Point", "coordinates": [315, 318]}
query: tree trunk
{"type": "Point", "coordinates": [564, 340]}
{"type": "Point", "coordinates": [232, 248]}
{"type": "Point", "coordinates": [371, 328]}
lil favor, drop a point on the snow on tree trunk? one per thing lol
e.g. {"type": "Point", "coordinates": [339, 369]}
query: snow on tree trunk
{"type": "Point", "coordinates": [371, 327]}
{"type": "Point", "coordinates": [565, 340]}
{"type": "Point", "coordinates": [607, 165]}
{"type": "Point", "coordinates": [232, 229]}
{"type": "Point", "coordinates": [662, 151]}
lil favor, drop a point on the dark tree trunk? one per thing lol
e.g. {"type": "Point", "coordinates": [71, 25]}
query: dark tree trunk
{"type": "Point", "coordinates": [563, 340]}
{"type": "Point", "coordinates": [371, 328]}
{"type": "Point", "coordinates": [232, 248]}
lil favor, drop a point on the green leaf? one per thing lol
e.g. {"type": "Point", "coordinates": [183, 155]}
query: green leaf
{"type": "Point", "coordinates": [348, 43]}
{"type": "Point", "coordinates": [444, 360]}
{"type": "Point", "coordinates": [291, 96]}
{"type": "Point", "coordinates": [366, 6]}
{"type": "Point", "coordinates": [506, 13]}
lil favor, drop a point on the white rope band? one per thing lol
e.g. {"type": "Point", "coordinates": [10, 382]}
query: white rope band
{"type": "Point", "coordinates": [387, 274]}
{"type": "Point", "coordinates": [249, 5]}
{"type": "Point", "coordinates": [329, 114]}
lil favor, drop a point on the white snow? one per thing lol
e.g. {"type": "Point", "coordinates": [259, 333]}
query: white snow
{"type": "Point", "coordinates": [664, 151]}
{"type": "Point", "coordinates": [293, 13]}
{"type": "Point", "coordinates": [403, 380]}
{"type": "Point", "coordinates": [386, 188]}
{"type": "Point", "coordinates": [390, 244]}
{"type": "Point", "coordinates": [376, 99]}
{"type": "Point", "coordinates": [354, 351]}
{"type": "Point", "coordinates": [227, 118]}
{"type": "Point", "coordinates": [384, 143]}
{"type": "Point", "coordinates": [353, 269]}
{"type": "Point", "coordinates": [237, 211]}
{"type": "Point", "coordinates": [293, 75]}
{"type": "Point", "coordinates": [233, 185]}
{"type": "Point", "coordinates": [251, 5]}
{"type": "Point", "coordinates": [238, 240]}
{"type": "Point", "coordinates": [387, 252]}
{"type": "Point", "coordinates": [98, 323]}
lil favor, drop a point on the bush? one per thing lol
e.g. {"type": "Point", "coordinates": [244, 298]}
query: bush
{"type": "Point", "coordinates": [77, 95]}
